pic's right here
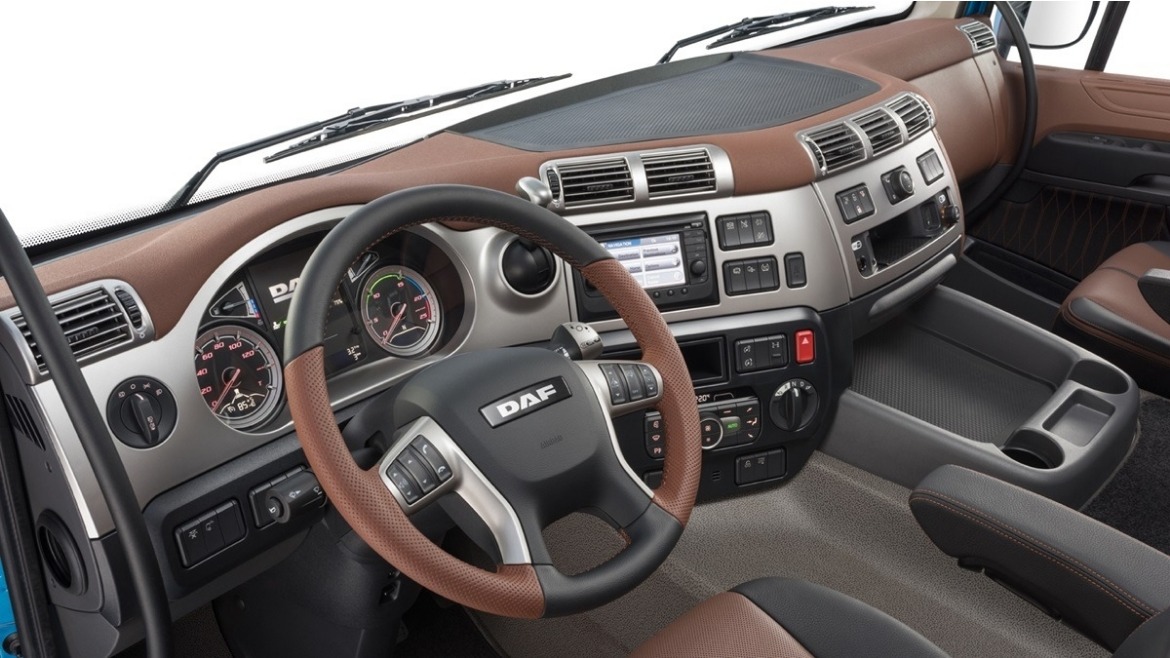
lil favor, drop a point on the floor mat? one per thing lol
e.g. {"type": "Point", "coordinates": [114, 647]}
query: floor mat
{"type": "Point", "coordinates": [434, 632]}
{"type": "Point", "coordinates": [1137, 501]}
{"type": "Point", "coordinates": [919, 373]}
{"type": "Point", "coordinates": [835, 525]}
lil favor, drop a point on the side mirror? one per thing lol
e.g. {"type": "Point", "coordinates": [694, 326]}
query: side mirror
{"type": "Point", "coordinates": [1056, 24]}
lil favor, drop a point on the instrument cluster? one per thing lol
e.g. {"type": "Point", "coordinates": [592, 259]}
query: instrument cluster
{"type": "Point", "coordinates": [402, 298]}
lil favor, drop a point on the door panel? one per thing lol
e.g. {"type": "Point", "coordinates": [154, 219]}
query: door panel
{"type": "Point", "coordinates": [1098, 179]}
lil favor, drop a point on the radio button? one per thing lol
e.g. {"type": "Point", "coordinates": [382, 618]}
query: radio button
{"type": "Point", "coordinates": [617, 384]}
{"type": "Point", "coordinates": [633, 382]}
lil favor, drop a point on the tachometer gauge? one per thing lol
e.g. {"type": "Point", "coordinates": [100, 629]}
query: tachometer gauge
{"type": "Point", "coordinates": [400, 311]}
{"type": "Point", "coordinates": [239, 375]}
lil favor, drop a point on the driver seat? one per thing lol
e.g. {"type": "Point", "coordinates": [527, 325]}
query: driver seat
{"type": "Point", "coordinates": [786, 618]}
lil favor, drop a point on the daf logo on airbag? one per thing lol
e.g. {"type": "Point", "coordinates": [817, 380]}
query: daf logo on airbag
{"type": "Point", "coordinates": [525, 401]}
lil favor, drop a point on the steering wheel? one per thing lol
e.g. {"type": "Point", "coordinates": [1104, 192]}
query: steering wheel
{"type": "Point", "coordinates": [523, 435]}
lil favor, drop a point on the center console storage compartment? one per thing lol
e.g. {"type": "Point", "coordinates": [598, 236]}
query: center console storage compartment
{"type": "Point", "coordinates": [956, 381]}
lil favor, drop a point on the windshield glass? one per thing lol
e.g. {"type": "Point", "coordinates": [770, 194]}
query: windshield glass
{"type": "Point", "coordinates": [111, 107]}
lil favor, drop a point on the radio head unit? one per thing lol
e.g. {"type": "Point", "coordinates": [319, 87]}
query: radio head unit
{"type": "Point", "coordinates": [669, 257]}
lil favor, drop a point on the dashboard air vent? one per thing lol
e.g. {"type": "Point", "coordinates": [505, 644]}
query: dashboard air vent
{"type": "Point", "coordinates": [92, 321]}
{"type": "Point", "coordinates": [595, 182]}
{"type": "Point", "coordinates": [914, 112]}
{"type": "Point", "coordinates": [834, 147]}
{"type": "Point", "coordinates": [682, 172]}
{"type": "Point", "coordinates": [23, 421]}
{"type": "Point", "coordinates": [981, 36]}
{"type": "Point", "coordinates": [882, 130]}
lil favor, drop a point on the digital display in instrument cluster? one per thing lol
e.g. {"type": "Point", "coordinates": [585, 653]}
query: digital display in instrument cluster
{"type": "Point", "coordinates": [654, 261]}
{"type": "Point", "coordinates": [276, 281]}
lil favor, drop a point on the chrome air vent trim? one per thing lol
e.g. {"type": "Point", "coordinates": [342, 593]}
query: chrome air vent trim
{"type": "Point", "coordinates": [637, 177]}
{"type": "Point", "coordinates": [981, 36]}
{"type": "Point", "coordinates": [860, 137]}
{"type": "Point", "coordinates": [100, 319]}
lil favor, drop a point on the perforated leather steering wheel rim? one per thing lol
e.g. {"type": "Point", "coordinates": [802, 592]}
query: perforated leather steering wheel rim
{"type": "Point", "coordinates": [515, 590]}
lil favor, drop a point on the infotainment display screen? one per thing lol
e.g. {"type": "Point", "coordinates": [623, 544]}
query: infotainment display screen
{"type": "Point", "coordinates": [654, 261]}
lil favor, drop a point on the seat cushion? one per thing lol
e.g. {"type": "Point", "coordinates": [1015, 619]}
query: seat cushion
{"type": "Point", "coordinates": [790, 619]}
{"type": "Point", "coordinates": [1109, 309]}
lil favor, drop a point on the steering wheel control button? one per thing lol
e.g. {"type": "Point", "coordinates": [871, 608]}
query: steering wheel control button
{"type": "Point", "coordinates": [405, 484]}
{"type": "Point", "coordinates": [741, 277]}
{"type": "Point", "coordinates": [899, 185]}
{"type": "Point", "coordinates": [931, 166]}
{"type": "Point", "coordinates": [794, 405]}
{"type": "Point", "coordinates": [794, 270]}
{"type": "Point", "coordinates": [806, 346]}
{"type": "Point", "coordinates": [633, 382]}
{"type": "Point", "coordinates": [616, 382]}
{"type": "Point", "coordinates": [649, 380]}
{"type": "Point", "coordinates": [413, 463]}
{"type": "Point", "coordinates": [141, 412]}
{"type": "Point", "coordinates": [855, 203]}
{"type": "Point", "coordinates": [432, 457]}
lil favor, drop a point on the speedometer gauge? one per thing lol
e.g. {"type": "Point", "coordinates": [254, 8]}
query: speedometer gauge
{"type": "Point", "coordinates": [239, 375]}
{"type": "Point", "coordinates": [400, 311]}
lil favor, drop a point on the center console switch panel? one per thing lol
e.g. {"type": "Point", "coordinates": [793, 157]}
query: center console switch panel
{"type": "Point", "coordinates": [762, 415]}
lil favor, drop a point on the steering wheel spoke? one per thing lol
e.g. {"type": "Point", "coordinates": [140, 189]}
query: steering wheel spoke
{"type": "Point", "coordinates": [623, 386]}
{"type": "Point", "coordinates": [425, 463]}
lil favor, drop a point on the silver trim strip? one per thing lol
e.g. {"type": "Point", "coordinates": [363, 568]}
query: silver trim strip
{"type": "Point", "coordinates": [468, 482]}
{"type": "Point", "coordinates": [592, 370]}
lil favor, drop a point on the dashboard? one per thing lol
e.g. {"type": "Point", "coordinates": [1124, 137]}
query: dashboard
{"type": "Point", "coordinates": [767, 246]}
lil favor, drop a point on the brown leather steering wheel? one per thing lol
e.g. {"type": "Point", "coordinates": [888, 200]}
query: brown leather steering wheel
{"type": "Point", "coordinates": [524, 434]}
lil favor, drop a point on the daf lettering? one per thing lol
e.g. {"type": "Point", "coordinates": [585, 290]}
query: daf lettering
{"type": "Point", "coordinates": [282, 292]}
{"type": "Point", "coordinates": [525, 401]}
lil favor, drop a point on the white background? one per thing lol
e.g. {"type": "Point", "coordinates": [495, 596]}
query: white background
{"type": "Point", "coordinates": [111, 106]}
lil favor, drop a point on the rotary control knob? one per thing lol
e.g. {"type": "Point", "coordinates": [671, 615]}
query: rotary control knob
{"type": "Point", "coordinates": [711, 429]}
{"type": "Point", "coordinates": [793, 405]}
{"type": "Point", "coordinates": [141, 412]}
{"type": "Point", "coordinates": [905, 184]}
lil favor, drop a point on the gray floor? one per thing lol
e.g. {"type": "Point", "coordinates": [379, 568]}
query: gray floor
{"type": "Point", "coordinates": [835, 525]}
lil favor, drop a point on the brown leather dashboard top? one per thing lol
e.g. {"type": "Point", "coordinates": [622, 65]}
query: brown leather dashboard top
{"type": "Point", "coordinates": [168, 264]}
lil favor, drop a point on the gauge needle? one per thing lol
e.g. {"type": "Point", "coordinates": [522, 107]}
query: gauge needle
{"type": "Point", "coordinates": [394, 325]}
{"type": "Point", "coordinates": [226, 389]}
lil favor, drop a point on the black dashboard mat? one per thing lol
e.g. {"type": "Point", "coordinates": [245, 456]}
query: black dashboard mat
{"type": "Point", "coordinates": [921, 374]}
{"type": "Point", "coordinates": [735, 93]}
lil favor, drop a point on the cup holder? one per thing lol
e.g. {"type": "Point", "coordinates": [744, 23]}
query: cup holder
{"type": "Point", "coordinates": [1098, 376]}
{"type": "Point", "coordinates": [1034, 450]}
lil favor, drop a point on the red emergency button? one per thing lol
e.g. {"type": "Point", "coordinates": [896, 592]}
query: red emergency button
{"type": "Point", "coordinates": [806, 346]}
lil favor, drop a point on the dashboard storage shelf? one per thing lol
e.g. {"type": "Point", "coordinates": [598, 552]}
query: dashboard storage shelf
{"type": "Point", "coordinates": [956, 381]}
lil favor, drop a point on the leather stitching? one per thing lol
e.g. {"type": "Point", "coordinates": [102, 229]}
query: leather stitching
{"type": "Point", "coordinates": [957, 509]}
{"type": "Point", "coordinates": [1137, 601]}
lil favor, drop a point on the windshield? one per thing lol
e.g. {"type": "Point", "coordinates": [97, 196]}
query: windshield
{"type": "Point", "coordinates": [111, 107]}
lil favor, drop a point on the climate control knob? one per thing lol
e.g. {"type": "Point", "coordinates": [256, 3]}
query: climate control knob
{"type": "Point", "coordinates": [794, 405]}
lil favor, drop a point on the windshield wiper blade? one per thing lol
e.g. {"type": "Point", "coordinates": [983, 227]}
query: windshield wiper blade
{"type": "Point", "coordinates": [353, 122]}
{"type": "Point", "coordinates": [752, 27]}
{"type": "Point", "coordinates": [359, 120]}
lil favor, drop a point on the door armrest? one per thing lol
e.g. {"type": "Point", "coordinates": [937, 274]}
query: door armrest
{"type": "Point", "coordinates": [1096, 579]}
{"type": "Point", "coordinates": [1155, 287]}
